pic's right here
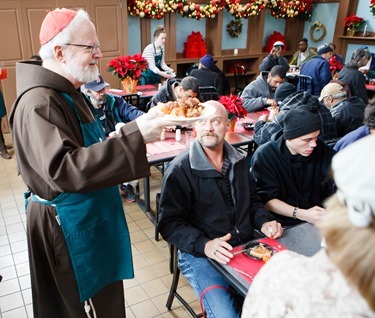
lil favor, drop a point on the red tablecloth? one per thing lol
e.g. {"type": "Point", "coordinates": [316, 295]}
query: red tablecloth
{"type": "Point", "coordinates": [164, 146]}
{"type": "Point", "coordinates": [248, 267]}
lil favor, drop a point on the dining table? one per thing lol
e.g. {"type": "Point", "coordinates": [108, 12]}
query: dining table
{"type": "Point", "coordinates": [303, 238]}
{"type": "Point", "coordinates": [145, 93]}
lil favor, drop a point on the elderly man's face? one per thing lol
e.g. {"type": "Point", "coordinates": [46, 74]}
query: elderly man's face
{"type": "Point", "coordinates": [303, 145]}
{"type": "Point", "coordinates": [211, 131]}
{"type": "Point", "coordinates": [82, 62]}
{"type": "Point", "coordinates": [98, 98]}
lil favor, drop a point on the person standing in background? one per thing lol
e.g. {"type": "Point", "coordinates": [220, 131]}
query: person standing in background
{"type": "Point", "coordinates": [78, 238]}
{"type": "Point", "coordinates": [157, 70]}
{"type": "Point", "coordinates": [3, 147]}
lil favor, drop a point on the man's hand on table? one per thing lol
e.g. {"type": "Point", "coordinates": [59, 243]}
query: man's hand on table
{"type": "Point", "coordinates": [219, 250]}
{"type": "Point", "coordinates": [272, 229]}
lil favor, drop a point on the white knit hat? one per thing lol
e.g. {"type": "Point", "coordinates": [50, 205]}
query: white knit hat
{"type": "Point", "coordinates": [354, 174]}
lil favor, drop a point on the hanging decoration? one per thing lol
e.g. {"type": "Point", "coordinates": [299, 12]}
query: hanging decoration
{"type": "Point", "coordinates": [156, 9]}
{"type": "Point", "coordinates": [272, 38]}
{"type": "Point", "coordinates": [234, 28]}
{"type": "Point", "coordinates": [317, 26]}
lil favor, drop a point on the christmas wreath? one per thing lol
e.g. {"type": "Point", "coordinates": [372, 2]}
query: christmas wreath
{"type": "Point", "coordinates": [234, 28]}
{"type": "Point", "coordinates": [317, 26]}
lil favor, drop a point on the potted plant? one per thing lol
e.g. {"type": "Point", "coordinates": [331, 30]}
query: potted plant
{"type": "Point", "coordinates": [352, 24]}
{"type": "Point", "coordinates": [128, 70]}
{"type": "Point", "coordinates": [233, 104]}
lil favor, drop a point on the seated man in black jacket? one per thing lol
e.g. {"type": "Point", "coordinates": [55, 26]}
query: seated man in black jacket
{"type": "Point", "coordinates": [208, 205]}
{"type": "Point", "coordinates": [348, 113]}
{"type": "Point", "coordinates": [292, 172]}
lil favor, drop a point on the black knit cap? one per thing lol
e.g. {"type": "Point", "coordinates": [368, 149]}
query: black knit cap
{"type": "Point", "coordinates": [300, 121]}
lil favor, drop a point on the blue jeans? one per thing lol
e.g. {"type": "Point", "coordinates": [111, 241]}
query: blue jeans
{"type": "Point", "coordinates": [218, 302]}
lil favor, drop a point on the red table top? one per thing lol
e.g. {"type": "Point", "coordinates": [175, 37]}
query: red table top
{"type": "Point", "coordinates": [370, 87]}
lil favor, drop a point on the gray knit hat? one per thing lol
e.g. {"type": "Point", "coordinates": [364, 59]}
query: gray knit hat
{"type": "Point", "coordinates": [300, 121]}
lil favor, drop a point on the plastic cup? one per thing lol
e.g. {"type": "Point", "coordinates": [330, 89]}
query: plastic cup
{"type": "Point", "coordinates": [3, 73]}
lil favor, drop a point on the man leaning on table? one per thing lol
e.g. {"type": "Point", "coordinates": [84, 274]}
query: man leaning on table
{"type": "Point", "coordinates": [260, 93]}
{"type": "Point", "coordinates": [208, 205]}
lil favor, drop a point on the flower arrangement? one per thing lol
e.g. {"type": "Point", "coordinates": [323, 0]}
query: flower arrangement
{"type": "Point", "coordinates": [130, 66]}
{"type": "Point", "coordinates": [156, 9]}
{"type": "Point", "coordinates": [372, 7]}
{"type": "Point", "coordinates": [233, 104]}
{"type": "Point", "coordinates": [353, 22]}
{"type": "Point", "coordinates": [334, 65]}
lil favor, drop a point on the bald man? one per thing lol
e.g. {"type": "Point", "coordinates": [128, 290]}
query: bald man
{"type": "Point", "coordinates": [207, 206]}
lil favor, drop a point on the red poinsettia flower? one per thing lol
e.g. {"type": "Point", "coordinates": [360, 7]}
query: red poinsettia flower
{"type": "Point", "coordinates": [233, 104]}
{"type": "Point", "coordinates": [334, 65]}
{"type": "Point", "coordinates": [128, 66]}
{"type": "Point", "coordinates": [353, 22]}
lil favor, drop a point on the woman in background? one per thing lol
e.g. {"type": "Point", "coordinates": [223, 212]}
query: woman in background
{"type": "Point", "coordinates": [158, 71]}
{"type": "Point", "coordinates": [337, 281]}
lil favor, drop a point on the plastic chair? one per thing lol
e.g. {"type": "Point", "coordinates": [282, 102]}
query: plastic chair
{"type": "Point", "coordinates": [173, 290]}
{"type": "Point", "coordinates": [132, 99]}
{"type": "Point", "coordinates": [240, 78]}
{"type": "Point", "coordinates": [208, 93]}
{"type": "Point", "coordinates": [305, 83]}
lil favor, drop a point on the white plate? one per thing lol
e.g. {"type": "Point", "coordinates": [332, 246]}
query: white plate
{"type": "Point", "coordinates": [208, 111]}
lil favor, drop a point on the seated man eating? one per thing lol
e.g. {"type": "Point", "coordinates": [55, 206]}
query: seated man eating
{"type": "Point", "coordinates": [208, 205]}
{"type": "Point", "coordinates": [292, 172]}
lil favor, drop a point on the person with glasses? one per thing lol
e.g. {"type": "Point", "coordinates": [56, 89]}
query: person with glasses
{"type": "Point", "coordinates": [208, 205]}
{"type": "Point", "coordinates": [78, 239]}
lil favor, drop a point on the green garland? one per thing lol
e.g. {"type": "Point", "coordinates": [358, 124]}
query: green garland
{"type": "Point", "coordinates": [234, 28]}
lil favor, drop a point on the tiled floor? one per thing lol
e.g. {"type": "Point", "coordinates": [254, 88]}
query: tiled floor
{"type": "Point", "coordinates": [145, 295]}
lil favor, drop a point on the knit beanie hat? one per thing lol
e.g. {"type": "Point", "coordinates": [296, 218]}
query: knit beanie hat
{"type": "Point", "coordinates": [355, 180]}
{"type": "Point", "coordinates": [54, 22]}
{"type": "Point", "coordinates": [283, 91]}
{"type": "Point", "coordinates": [324, 48]}
{"type": "Point", "coordinates": [300, 121]}
{"type": "Point", "coordinates": [207, 61]}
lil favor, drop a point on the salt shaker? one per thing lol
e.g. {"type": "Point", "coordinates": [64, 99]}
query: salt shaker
{"type": "Point", "coordinates": [162, 135]}
{"type": "Point", "coordinates": [178, 135]}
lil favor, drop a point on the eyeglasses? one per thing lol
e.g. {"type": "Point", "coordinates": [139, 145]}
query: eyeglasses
{"type": "Point", "coordinates": [93, 48]}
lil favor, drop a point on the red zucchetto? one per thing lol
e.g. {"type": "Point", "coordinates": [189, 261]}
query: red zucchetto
{"type": "Point", "coordinates": [54, 22]}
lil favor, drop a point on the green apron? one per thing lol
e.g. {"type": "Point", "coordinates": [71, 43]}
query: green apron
{"type": "Point", "coordinates": [148, 76]}
{"type": "Point", "coordinates": [94, 227]}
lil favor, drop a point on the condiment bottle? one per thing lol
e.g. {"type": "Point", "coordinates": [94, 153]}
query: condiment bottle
{"type": "Point", "coordinates": [178, 135]}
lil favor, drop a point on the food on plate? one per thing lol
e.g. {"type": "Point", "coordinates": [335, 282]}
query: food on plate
{"type": "Point", "coordinates": [261, 252]}
{"type": "Point", "coordinates": [189, 108]}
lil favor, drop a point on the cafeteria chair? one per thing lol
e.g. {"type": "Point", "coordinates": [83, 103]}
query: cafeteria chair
{"type": "Point", "coordinates": [173, 290]}
{"type": "Point", "coordinates": [240, 78]}
{"type": "Point", "coordinates": [305, 83]}
{"type": "Point", "coordinates": [132, 99]}
{"type": "Point", "coordinates": [208, 93]}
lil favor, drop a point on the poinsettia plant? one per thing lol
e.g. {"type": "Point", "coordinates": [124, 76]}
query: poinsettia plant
{"type": "Point", "coordinates": [233, 104]}
{"type": "Point", "coordinates": [353, 22]}
{"type": "Point", "coordinates": [334, 65]}
{"type": "Point", "coordinates": [128, 66]}
{"type": "Point", "coordinates": [372, 7]}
